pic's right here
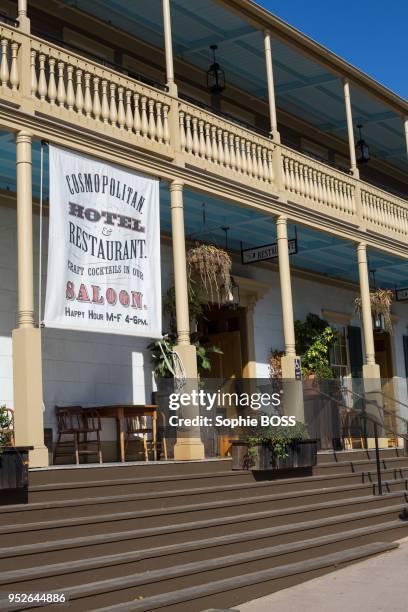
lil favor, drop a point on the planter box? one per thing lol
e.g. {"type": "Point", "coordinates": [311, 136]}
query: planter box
{"type": "Point", "coordinates": [14, 475]}
{"type": "Point", "coordinates": [302, 454]}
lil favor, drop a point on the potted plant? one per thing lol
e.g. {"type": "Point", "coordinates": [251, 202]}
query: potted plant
{"type": "Point", "coordinates": [210, 269]}
{"type": "Point", "coordinates": [275, 448]}
{"type": "Point", "coordinates": [13, 463]}
{"type": "Point", "coordinates": [380, 300]}
{"type": "Point", "coordinates": [314, 338]}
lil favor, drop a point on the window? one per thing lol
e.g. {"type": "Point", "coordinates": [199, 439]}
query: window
{"type": "Point", "coordinates": [339, 361]}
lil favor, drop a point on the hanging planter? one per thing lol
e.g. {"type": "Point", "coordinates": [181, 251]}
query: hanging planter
{"type": "Point", "coordinates": [210, 268]}
{"type": "Point", "coordinates": [380, 300]}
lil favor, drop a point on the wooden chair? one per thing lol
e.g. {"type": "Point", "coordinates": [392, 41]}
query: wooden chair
{"type": "Point", "coordinates": [78, 423]}
{"type": "Point", "coordinates": [7, 427]}
{"type": "Point", "coordinates": [351, 429]}
{"type": "Point", "coordinates": [140, 428]}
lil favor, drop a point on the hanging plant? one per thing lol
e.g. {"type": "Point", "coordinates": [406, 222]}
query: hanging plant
{"type": "Point", "coordinates": [210, 268]}
{"type": "Point", "coordinates": [380, 300]}
{"type": "Point", "coordinates": [275, 364]}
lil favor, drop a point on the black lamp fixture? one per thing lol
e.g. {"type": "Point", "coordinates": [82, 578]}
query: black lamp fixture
{"type": "Point", "coordinates": [215, 75]}
{"type": "Point", "coordinates": [378, 317]}
{"type": "Point", "coordinates": [362, 149]}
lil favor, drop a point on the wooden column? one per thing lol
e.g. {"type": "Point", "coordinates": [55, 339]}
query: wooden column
{"type": "Point", "coordinates": [271, 87]}
{"type": "Point", "coordinates": [27, 359]}
{"type": "Point", "coordinates": [350, 129]}
{"type": "Point", "coordinates": [168, 48]}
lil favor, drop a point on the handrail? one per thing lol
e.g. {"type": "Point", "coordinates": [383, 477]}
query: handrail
{"type": "Point", "coordinates": [376, 405]}
{"type": "Point", "coordinates": [366, 417]}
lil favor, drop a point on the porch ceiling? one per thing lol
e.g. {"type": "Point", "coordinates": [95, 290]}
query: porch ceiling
{"type": "Point", "coordinates": [206, 216]}
{"type": "Point", "coordinates": [304, 88]}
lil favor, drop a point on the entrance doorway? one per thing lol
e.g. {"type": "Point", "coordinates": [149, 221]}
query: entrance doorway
{"type": "Point", "coordinates": [225, 328]}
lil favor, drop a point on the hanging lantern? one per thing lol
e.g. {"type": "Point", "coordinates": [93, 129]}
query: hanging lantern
{"type": "Point", "coordinates": [215, 75]}
{"type": "Point", "coordinates": [378, 322]}
{"type": "Point", "coordinates": [233, 295]}
{"type": "Point", "coordinates": [362, 149]}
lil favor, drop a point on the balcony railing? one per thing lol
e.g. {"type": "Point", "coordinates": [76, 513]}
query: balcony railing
{"type": "Point", "coordinates": [69, 87]}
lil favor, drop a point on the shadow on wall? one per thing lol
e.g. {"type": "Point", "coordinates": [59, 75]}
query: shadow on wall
{"type": "Point", "coordinates": [94, 369]}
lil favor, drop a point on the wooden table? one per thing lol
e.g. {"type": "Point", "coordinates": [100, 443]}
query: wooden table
{"type": "Point", "coordinates": [120, 412]}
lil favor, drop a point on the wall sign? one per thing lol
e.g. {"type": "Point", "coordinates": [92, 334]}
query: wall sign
{"type": "Point", "coordinates": [401, 295]}
{"type": "Point", "coordinates": [104, 248]}
{"type": "Point", "coordinates": [265, 252]}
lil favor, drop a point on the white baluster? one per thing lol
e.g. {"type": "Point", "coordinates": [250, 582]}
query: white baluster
{"type": "Point", "coordinates": [238, 159]}
{"type": "Point", "coordinates": [137, 122]}
{"type": "Point", "coordinates": [14, 77]}
{"type": "Point", "coordinates": [214, 144]}
{"type": "Point", "coordinates": [152, 123]}
{"type": "Point", "coordinates": [52, 87]}
{"type": "Point", "coordinates": [113, 113]}
{"type": "Point", "coordinates": [201, 138]}
{"type": "Point", "coordinates": [183, 141]}
{"type": "Point", "coordinates": [42, 81]}
{"type": "Point", "coordinates": [189, 136]}
{"type": "Point", "coordinates": [196, 141]}
{"type": "Point", "coordinates": [159, 122]}
{"type": "Point", "coordinates": [96, 109]}
{"type": "Point", "coordinates": [33, 73]}
{"type": "Point", "coordinates": [208, 146]}
{"type": "Point", "coordinates": [88, 96]}
{"type": "Point", "coordinates": [61, 95]}
{"type": "Point", "coordinates": [129, 114]}
{"type": "Point", "coordinates": [121, 109]}
{"type": "Point", "coordinates": [242, 149]}
{"type": "Point", "coordinates": [79, 96]}
{"type": "Point", "coordinates": [105, 102]}
{"type": "Point", "coordinates": [255, 169]}
{"type": "Point", "coordinates": [4, 66]}
{"type": "Point", "coordinates": [265, 164]}
{"type": "Point", "coordinates": [233, 159]}
{"type": "Point", "coordinates": [250, 165]}
{"type": "Point", "coordinates": [70, 88]}
{"type": "Point", "coordinates": [166, 129]}
{"type": "Point", "coordinates": [227, 156]}
{"type": "Point", "coordinates": [221, 154]}
{"type": "Point", "coordinates": [260, 162]}
{"type": "Point", "coordinates": [270, 166]}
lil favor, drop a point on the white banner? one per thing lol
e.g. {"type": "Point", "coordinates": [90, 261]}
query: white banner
{"type": "Point", "coordinates": [104, 248]}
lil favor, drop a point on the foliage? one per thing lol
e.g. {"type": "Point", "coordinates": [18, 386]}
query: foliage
{"type": "Point", "coordinates": [195, 305]}
{"type": "Point", "coordinates": [314, 338]}
{"type": "Point", "coordinates": [380, 300]}
{"type": "Point", "coordinates": [5, 423]}
{"type": "Point", "coordinates": [307, 331]}
{"type": "Point", "coordinates": [209, 268]}
{"type": "Point", "coordinates": [162, 356]}
{"type": "Point", "coordinates": [278, 439]}
{"type": "Point", "coordinates": [316, 359]}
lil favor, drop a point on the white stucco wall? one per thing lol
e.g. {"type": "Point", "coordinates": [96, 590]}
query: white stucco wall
{"type": "Point", "coordinates": [90, 368]}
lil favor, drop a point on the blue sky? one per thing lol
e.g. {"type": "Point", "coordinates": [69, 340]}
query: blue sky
{"type": "Point", "coordinates": [370, 34]}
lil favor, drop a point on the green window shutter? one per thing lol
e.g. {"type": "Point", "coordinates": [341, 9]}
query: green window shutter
{"type": "Point", "coordinates": [405, 341]}
{"type": "Point", "coordinates": [355, 350]}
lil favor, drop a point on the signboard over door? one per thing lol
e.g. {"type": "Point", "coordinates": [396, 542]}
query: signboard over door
{"type": "Point", "coordinates": [104, 248]}
{"type": "Point", "coordinates": [265, 252]}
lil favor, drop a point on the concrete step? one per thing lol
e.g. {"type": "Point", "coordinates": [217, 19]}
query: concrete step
{"type": "Point", "coordinates": [138, 469]}
{"type": "Point", "coordinates": [256, 493]}
{"type": "Point", "coordinates": [234, 590]}
{"type": "Point", "coordinates": [83, 571]}
{"type": "Point", "coordinates": [361, 465]}
{"type": "Point", "coordinates": [257, 526]}
{"type": "Point", "coordinates": [58, 529]}
{"type": "Point", "coordinates": [356, 455]}
{"type": "Point", "coordinates": [295, 480]}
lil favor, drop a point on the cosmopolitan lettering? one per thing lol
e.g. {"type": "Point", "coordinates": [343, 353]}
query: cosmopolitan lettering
{"type": "Point", "coordinates": [89, 182]}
